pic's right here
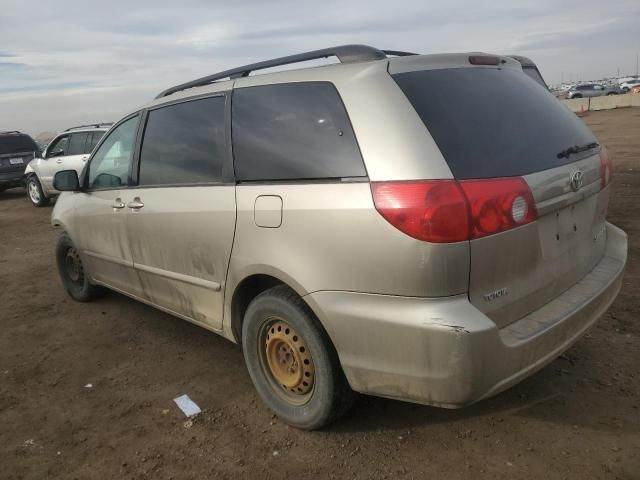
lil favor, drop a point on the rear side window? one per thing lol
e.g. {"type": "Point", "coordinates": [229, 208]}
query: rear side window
{"type": "Point", "coordinates": [491, 122]}
{"type": "Point", "coordinates": [93, 140]}
{"type": "Point", "coordinates": [293, 131]}
{"type": "Point", "coordinates": [184, 143]}
{"type": "Point", "coordinates": [17, 144]}
{"type": "Point", "coordinates": [77, 143]}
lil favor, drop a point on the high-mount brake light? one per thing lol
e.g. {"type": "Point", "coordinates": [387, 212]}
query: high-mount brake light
{"type": "Point", "coordinates": [605, 167]}
{"type": "Point", "coordinates": [447, 211]}
{"type": "Point", "coordinates": [484, 60]}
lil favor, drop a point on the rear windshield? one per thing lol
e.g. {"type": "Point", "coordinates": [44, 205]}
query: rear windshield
{"type": "Point", "coordinates": [16, 144]}
{"type": "Point", "coordinates": [491, 122]}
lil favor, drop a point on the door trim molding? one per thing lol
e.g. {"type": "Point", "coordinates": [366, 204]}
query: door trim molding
{"type": "Point", "coordinates": [107, 258]}
{"type": "Point", "coordinates": [199, 282]}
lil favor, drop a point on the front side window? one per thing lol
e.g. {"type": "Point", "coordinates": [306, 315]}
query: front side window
{"type": "Point", "coordinates": [59, 147]}
{"type": "Point", "coordinates": [293, 131]}
{"type": "Point", "coordinates": [109, 167]}
{"type": "Point", "coordinates": [184, 144]}
{"type": "Point", "coordinates": [77, 143]}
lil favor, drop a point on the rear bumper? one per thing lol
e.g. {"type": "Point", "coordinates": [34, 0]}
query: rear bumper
{"type": "Point", "coordinates": [445, 352]}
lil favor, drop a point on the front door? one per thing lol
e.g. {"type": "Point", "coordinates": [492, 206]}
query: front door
{"type": "Point", "coordinates": [77, 155]}
{"type": "Point", "coordinates": [53, 161]}
{"type": "Point", "coordinates": [101, 212]}
{"type": "Point", "coordinates": [181, 216]}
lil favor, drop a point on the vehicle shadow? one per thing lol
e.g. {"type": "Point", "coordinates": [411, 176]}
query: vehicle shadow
{"type": "Point", "coordinates": [551, 395]}
{"type": "Point", "coordinates": [555, 394]}
{"type": "Point", "coordinates": [12, 194]}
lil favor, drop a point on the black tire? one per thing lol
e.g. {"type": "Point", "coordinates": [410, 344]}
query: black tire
{"type": "Point", "coordinates": [35, 192]}
{"type": "Point", "coordinates": [578, 95]}
{"type": "Point", "coordinates": [72, 274]}
{"type": "Point", "coordinates": [330, 395]}
{"type": "Point", "coordinates": [612, 93]}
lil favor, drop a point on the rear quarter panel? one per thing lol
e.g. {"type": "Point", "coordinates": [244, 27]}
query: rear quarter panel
{"type": "Point", "coordinates": [332, 238]}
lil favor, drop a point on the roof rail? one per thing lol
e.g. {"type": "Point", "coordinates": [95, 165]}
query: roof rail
{"type": "Point", "coordinates": [10, 131]}
{"type": "Point", "coordinates": [94, 125]}
{"type": "Point", "coordinates": [398, 53]}
{"type": "Point", "coordinates": [344, 53]}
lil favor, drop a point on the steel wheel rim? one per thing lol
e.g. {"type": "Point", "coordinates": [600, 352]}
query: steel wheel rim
{"type": "Point", "coordinates": [73, 267]}
{"type": "Point", "coordinates": [33, 192]}
{"type": "Point", "coordinates": [287, 362]}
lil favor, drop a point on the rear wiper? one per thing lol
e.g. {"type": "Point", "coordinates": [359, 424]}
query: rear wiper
{"type": "Point", "coordinates": [577, 149]}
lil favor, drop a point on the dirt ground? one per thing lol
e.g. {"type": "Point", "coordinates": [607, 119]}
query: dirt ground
{"type": "Point", "coordinates": [578, 418]}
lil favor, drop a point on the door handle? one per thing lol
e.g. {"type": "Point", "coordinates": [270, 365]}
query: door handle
{"type": "Point", "coordinates": [117, 203]}
{"type": "Point", "coordinates": [135, 204]}
{"type": "Point", "coordinates": [59, 160]}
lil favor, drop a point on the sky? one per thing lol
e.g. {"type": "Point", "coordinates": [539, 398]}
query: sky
{"type": "Point", "coordinates": [70, 62]}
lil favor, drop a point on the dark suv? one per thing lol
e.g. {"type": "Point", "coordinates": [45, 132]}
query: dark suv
{"type": "Point", "coordinates": [16, 151]}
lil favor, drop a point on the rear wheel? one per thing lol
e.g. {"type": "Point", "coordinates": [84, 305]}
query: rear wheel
{"type": "Point", "coordinates": [612, 93]}
{"type": "Point", "coordinates": [72, 272]}
{"type": "Point", "coordinates": [577, 95]}
{"type": "Point", "coordinates": [35, 192]}
{"type": "Point", "coordinates": [292, 362]}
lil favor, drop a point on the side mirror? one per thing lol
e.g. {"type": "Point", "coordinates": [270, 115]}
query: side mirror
{"type": "Point", "coordinates": [66, 181]}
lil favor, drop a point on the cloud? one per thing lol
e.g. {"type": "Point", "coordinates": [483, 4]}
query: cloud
{"type": "Point", "coordinates": [107, 57]}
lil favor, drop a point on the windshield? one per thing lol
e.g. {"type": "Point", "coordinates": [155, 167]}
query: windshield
{"type": "Point", "coordinates": [17, 144]}
{"type": "Point", "coordinates": [491, 122]}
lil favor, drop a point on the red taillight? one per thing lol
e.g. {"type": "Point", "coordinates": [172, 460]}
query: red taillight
{"type": "Point", "coordinates": [605, 168]}
{"type": "Point", "coordinates": [435, 211]}
{"type": "Point", "coordinates": [444, 211]}
{"type": "Point", "coordinates": [498, 204]}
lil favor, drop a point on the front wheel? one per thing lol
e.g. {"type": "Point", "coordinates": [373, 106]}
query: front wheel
{"type": "Point", "coordinates": [291, 361]}
{"type": "Point", "coordinates": [72, 272]}
{"type": "Point", "coordinates": [35, 192]}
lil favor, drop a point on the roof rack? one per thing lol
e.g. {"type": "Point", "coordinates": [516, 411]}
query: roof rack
{"type": "Point", "coordinates": [94, 125]}
{"type": "Point", "coordinates": [344, 53]}
{"type": "Point", "coordinates": [398, 53]}
{"type": "Point", "coordinates": [10, 131]}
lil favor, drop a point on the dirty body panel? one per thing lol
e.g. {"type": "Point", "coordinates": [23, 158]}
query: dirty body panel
{"type": "Point", "coordinates": [450, 353]}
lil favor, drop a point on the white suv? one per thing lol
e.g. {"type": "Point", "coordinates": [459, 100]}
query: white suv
{"type": "Point", "coordinates": [67, 151]}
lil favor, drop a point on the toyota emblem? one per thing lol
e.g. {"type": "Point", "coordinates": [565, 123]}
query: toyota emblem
{"type": "Point", "coordinates": [576, 180]}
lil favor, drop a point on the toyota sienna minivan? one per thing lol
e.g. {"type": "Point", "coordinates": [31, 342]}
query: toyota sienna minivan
{"type": "Point", "coordinates": [429, 228]}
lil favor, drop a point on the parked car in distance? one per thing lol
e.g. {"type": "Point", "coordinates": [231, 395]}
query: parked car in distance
{"type": "Point", "coordinates": [68, 150]}
{"type": "Point", "coordinates": [430, 228]}
{"type": "Point", "coordinates": [629, 84]}
{"type": "Point", "coordinates": [592, 90]}
{"type": "Point", "coordinates": [17, 149]}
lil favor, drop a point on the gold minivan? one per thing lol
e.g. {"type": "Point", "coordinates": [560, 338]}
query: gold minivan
{"type": "Point", "coordinates": [429, 228]}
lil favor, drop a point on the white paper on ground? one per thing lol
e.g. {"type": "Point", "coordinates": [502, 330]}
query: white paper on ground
{"type": "Point", "coordinates": [188, 406]}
